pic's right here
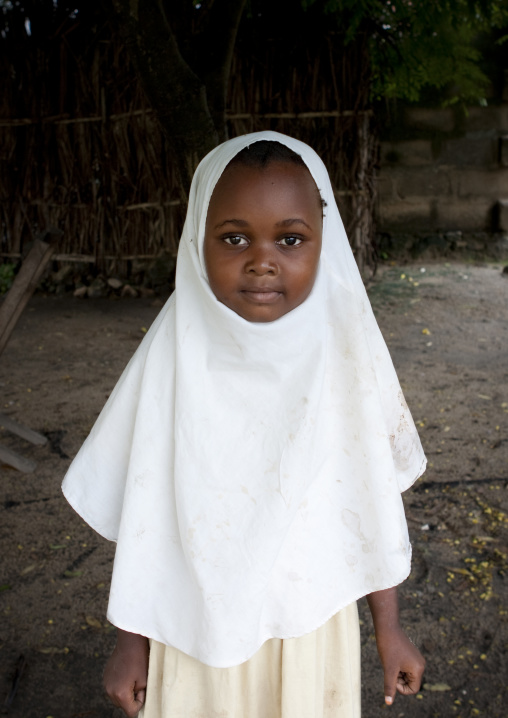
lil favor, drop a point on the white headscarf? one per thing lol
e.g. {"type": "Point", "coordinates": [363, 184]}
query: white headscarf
{"type": "Point", "coordinates": [251, 472]}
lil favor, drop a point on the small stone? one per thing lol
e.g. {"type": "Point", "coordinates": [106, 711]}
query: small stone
{"type": "Point", "coordinates": [80, 292]}
{"type": "Point", "coordinates": [98, 288]}
{"type": "Point", "coordinates": [63, 274]}
{"type": "Point", "coordinates": [115, 283]}
{"type": "Point", "coordinates": [128, 291]}
{"type": "Point", "coordinates": [146, 292]}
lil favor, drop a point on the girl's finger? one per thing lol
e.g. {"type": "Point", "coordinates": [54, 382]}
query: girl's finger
{"type": "Point", "coordinates": [140, 697]}
{"type": "Point", "coordinates": [407, 684]}
{"type": "Point", "coordinates": [390, 687]}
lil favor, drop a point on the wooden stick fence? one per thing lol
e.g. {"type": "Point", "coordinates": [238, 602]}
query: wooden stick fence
{"type": "Point", "coordinates": [85, 153]}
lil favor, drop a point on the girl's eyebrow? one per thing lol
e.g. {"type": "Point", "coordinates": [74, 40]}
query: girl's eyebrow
{"type": "Point", "coordinates": [244, 223]}
{"type": "Point", "coordinates": [292, 220]}
{"type": "Point", "coordinates": [236, 222]}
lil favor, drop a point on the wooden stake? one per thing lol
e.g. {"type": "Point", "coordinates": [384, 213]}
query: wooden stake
{"type": "Point", "coordinates": [11, 458]}
{"type": "Point", "coordinates": [24, 432]}
{"type": "Point", "coordinates": [25, 284]}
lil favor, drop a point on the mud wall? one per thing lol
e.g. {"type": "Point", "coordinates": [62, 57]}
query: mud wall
{"type": "Point", "coordinates": [442, 170]}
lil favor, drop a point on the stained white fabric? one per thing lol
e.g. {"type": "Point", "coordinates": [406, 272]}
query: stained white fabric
{"type": "Point", "coordinates": [251, 472]}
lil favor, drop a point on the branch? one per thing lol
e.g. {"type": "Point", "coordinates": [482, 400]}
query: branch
{"type": "Point", "coordinates": [209, 50]}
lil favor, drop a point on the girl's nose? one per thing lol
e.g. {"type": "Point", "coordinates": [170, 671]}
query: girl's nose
{"type": "Point", "coordinates": [262, 260]}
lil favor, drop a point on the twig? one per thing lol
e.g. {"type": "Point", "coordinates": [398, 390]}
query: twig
{"type": "Point", "coordinates": [18, 672]}
{"type": "Point", "coordinates": [424, 485]}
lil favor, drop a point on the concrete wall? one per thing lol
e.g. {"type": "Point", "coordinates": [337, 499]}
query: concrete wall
{"type": "Point", "coordinates": [444, 172]}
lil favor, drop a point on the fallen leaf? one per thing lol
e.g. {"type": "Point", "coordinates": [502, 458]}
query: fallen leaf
{"type": "Point", "coordinates": [462, 571]}
{"type": "Point", "coordinates": [425, 331]}
{"type": "Point", "coordinates": [437, 687]}
{"type": "Point", "coordinates": [52, 649]}
{"type": "Point", "coordinates": [485, 538]}
{"type": "Point", "coordinates": [27, 569]}
{"type": "Point", "coordinates": [94, 622]}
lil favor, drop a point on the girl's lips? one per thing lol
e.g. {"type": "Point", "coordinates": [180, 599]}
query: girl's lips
{"type": "Point", "coordinates": [261, 296]}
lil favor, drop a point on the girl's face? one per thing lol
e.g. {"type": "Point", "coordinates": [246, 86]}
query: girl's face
{"type": "Point", "coordinates": [263, 239]}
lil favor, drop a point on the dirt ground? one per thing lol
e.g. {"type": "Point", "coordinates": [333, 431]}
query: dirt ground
{"type": "Point", "coordinates": [447, 329]}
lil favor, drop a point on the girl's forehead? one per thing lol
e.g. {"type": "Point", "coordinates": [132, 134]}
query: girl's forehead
{"type": "Point", "coordinates": [284, 180]}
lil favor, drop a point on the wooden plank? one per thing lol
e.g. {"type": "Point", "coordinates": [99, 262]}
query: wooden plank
{"type": "Point", "coordinates": [25, 284]}
{"type": "Point", "coordinates": [28, 434]}
{"type": "Point", "coordinates": [10, 458]}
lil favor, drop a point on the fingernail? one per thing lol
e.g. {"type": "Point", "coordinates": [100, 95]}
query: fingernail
{"type": "Point", "coordinates": [388, 700]}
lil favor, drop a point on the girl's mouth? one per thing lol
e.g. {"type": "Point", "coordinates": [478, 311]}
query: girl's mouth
{"type": "Point", "coordinates": [261, 296]}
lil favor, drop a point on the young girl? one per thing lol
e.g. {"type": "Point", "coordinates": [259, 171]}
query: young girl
{"type": "Point", "coordinates": [250, 461]}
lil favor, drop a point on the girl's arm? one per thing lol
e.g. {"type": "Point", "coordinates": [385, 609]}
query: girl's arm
{"type": "Point", "coordinates": [126, 672]}
{"type": "Point", "coordinates": [402, 662]}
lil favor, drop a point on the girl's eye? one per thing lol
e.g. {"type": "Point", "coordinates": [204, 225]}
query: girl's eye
{"type": "Point", "coordinates": [235, 241]}
{"type": "Point", "coordinates": [290, 241]}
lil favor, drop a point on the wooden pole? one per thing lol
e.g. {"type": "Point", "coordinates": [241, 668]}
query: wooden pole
{"type": "Point", "coordinates": [13, 459]}
{"type": "Point", "coordinates": [23, 431]}
{"type": "Point", "coordinates": [25, 283]}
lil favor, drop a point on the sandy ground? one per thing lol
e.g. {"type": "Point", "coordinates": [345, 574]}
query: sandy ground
{"type": "Point", "coordinates": [447, 329]}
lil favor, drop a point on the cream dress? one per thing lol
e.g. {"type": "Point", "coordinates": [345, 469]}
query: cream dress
{"type": "Point", "coordinates": [314, 676]}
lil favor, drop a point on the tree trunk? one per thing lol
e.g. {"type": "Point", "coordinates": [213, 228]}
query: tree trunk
{"type": "Point", "coordinates": [176, 93]}
{"type": "Point", "coordinates": [185, 74]}
{"type": "Point", "coordinates": [363, 199]}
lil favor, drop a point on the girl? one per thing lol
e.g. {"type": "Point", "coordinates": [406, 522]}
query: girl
{"type": "Point", "coordinates": [249, 462]}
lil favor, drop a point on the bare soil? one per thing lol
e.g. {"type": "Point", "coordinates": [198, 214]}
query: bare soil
{"type": "Point", "coordinates": [447, 329]}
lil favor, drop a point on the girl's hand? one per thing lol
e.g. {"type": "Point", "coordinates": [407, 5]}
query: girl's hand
{"type": "Point", "coordinates": [402, 662]}
{"type": "Point", "coordinates": [126, 672]}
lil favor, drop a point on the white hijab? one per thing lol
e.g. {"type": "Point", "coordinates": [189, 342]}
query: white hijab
{"type": "Point", "coordinates": [251, 472]}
